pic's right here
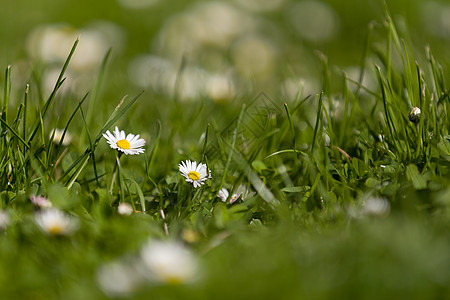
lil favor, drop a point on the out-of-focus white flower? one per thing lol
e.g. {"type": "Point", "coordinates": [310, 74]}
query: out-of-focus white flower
{"type": "Point", "coordinates": [260, 5]}
{"type": "Point", "coordinates": [218, 23]}
{"type": "Point", "coordinates": [197, 174]}
{"type": "Point", "coordinates": [154, 71]}
{"type": "Point", "coordinates": [119, 278]}
{"type": "Point", "coordinates": [5, 220]}
{"type": "Point", "coordinates": [40, 201]}
{"type": "Point", "coordinates": [58, 134]}
{"type": "Point", "coordinates": [376, 206]}
{"type": "Point", "coordinates": [55, 222]}
{"type": "Point", "coordinates": [210, 24]}
{"type": "Point", "coordinates": [314, 20]}
{"type": "Point", "coordinates": [52, 44]}
{"type": "Point", "coordinates": [254, 55]}
{"type": "Point", "coordinates": [137, 4]}
{"type": "Point", "coordinates": [244, 192]}
{"type": "Point", "coordinates": [169, 262]}
{"type": "Point", "coordinates": [125, 209]}
{"type": "Point", "coordinates": [90, 50]}
{"type": "Point", "coordinates": [130, 144]}
{"type": "Point", "coordinates": [220, 88]}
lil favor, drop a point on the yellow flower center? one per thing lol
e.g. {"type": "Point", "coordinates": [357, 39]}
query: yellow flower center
{"type": "Point", "coordinates": [55, 229]}
{"type": "Point", "coordinates": [123, 144]}
{"type": "Point", "coordinates": [174, 280]}
{"type": "Point", "coordinates": [194, 175]}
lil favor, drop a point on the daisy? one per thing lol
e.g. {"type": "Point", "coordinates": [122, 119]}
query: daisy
{"type": "Point", "coordinates": [242, 192]}
{"type": "Point", "coordinates": [223, 195]}
{"type": "Point", "coordinates": [130, 144]}
{"type": "Point", "coordinates": [169, 262]}
{"type": "Point", "coordinates": [55, 222]}
{"type": "Point", "coordinates": [197, 174]}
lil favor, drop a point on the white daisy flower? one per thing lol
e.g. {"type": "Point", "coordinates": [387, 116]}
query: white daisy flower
{"type": "Point", "coordinates": [55, 222]}
{"type": "Point", "coordinates": [242, 192]}
{"type": "Point", "coordinates": [197, 174]}
{"type": "Point", "coordinates": [169, 262]}
{"type": "Point", "coordinates": [130, 144]}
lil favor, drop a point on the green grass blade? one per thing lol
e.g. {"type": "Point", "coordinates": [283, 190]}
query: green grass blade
{"type": "Point", "coordinates": [15, 133]}
{"type": "Point", "coordinates": [318, 122]}
{"type": "Point", "coordinates": [291, 126]}
{"type": "Point", "coordinates": [58, 84]}
{"type": "Point", "coordinates": [6, 93]}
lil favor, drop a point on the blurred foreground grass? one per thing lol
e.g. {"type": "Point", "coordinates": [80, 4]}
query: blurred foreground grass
{"type": "Point", "coordinates": [345, 192]}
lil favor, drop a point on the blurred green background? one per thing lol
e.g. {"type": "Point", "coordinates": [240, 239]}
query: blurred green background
{"type": "Point", "coordinates": [238, 46]}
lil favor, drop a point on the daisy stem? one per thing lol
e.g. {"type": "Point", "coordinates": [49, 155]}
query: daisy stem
{"type": "Point", "coordinates": [111, 185]}
{"type": "Point", "coordinates": [121, 183]}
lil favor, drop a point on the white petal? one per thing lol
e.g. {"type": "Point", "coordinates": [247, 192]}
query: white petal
{"type": "Point", "coordinates": [129, 137]}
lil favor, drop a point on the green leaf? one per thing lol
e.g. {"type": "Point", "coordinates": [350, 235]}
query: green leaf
{"type": "Point", "coordinates": [360, 166]}
{"type": "Point", "coordinates": [418, 180]}
{"type": "Point", "coordinates": [444, 148]}
{"type": "Point", "coordinates": [259, 166]}
{"type": "Point", "coordinates": [221, 215]}
{"type": "Point", "coordinates": [296, 189]}
{"type": "Point", "coordinates": [372, 182]}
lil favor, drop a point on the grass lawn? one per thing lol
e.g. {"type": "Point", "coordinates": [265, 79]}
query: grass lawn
{"type": "Point", "coordinates": [224, 149]}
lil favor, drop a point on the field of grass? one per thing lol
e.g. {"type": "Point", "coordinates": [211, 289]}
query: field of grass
{"type": "Point", "coordinates": [322, 157]}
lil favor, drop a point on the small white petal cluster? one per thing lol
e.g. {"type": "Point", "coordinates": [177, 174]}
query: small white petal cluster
{"type": "Point", "coordinates": [55, 222]}
{"type": "Point", "coordinates": [40, 201]}
{"type": "Point", "coordinates": [223, 194]}
{"type": "Point", "coordinates": [197, 174]}
{"type": "Point", "coordinates": [125, 209]}
{"type": "Point", "coordinates": [129, 144]}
